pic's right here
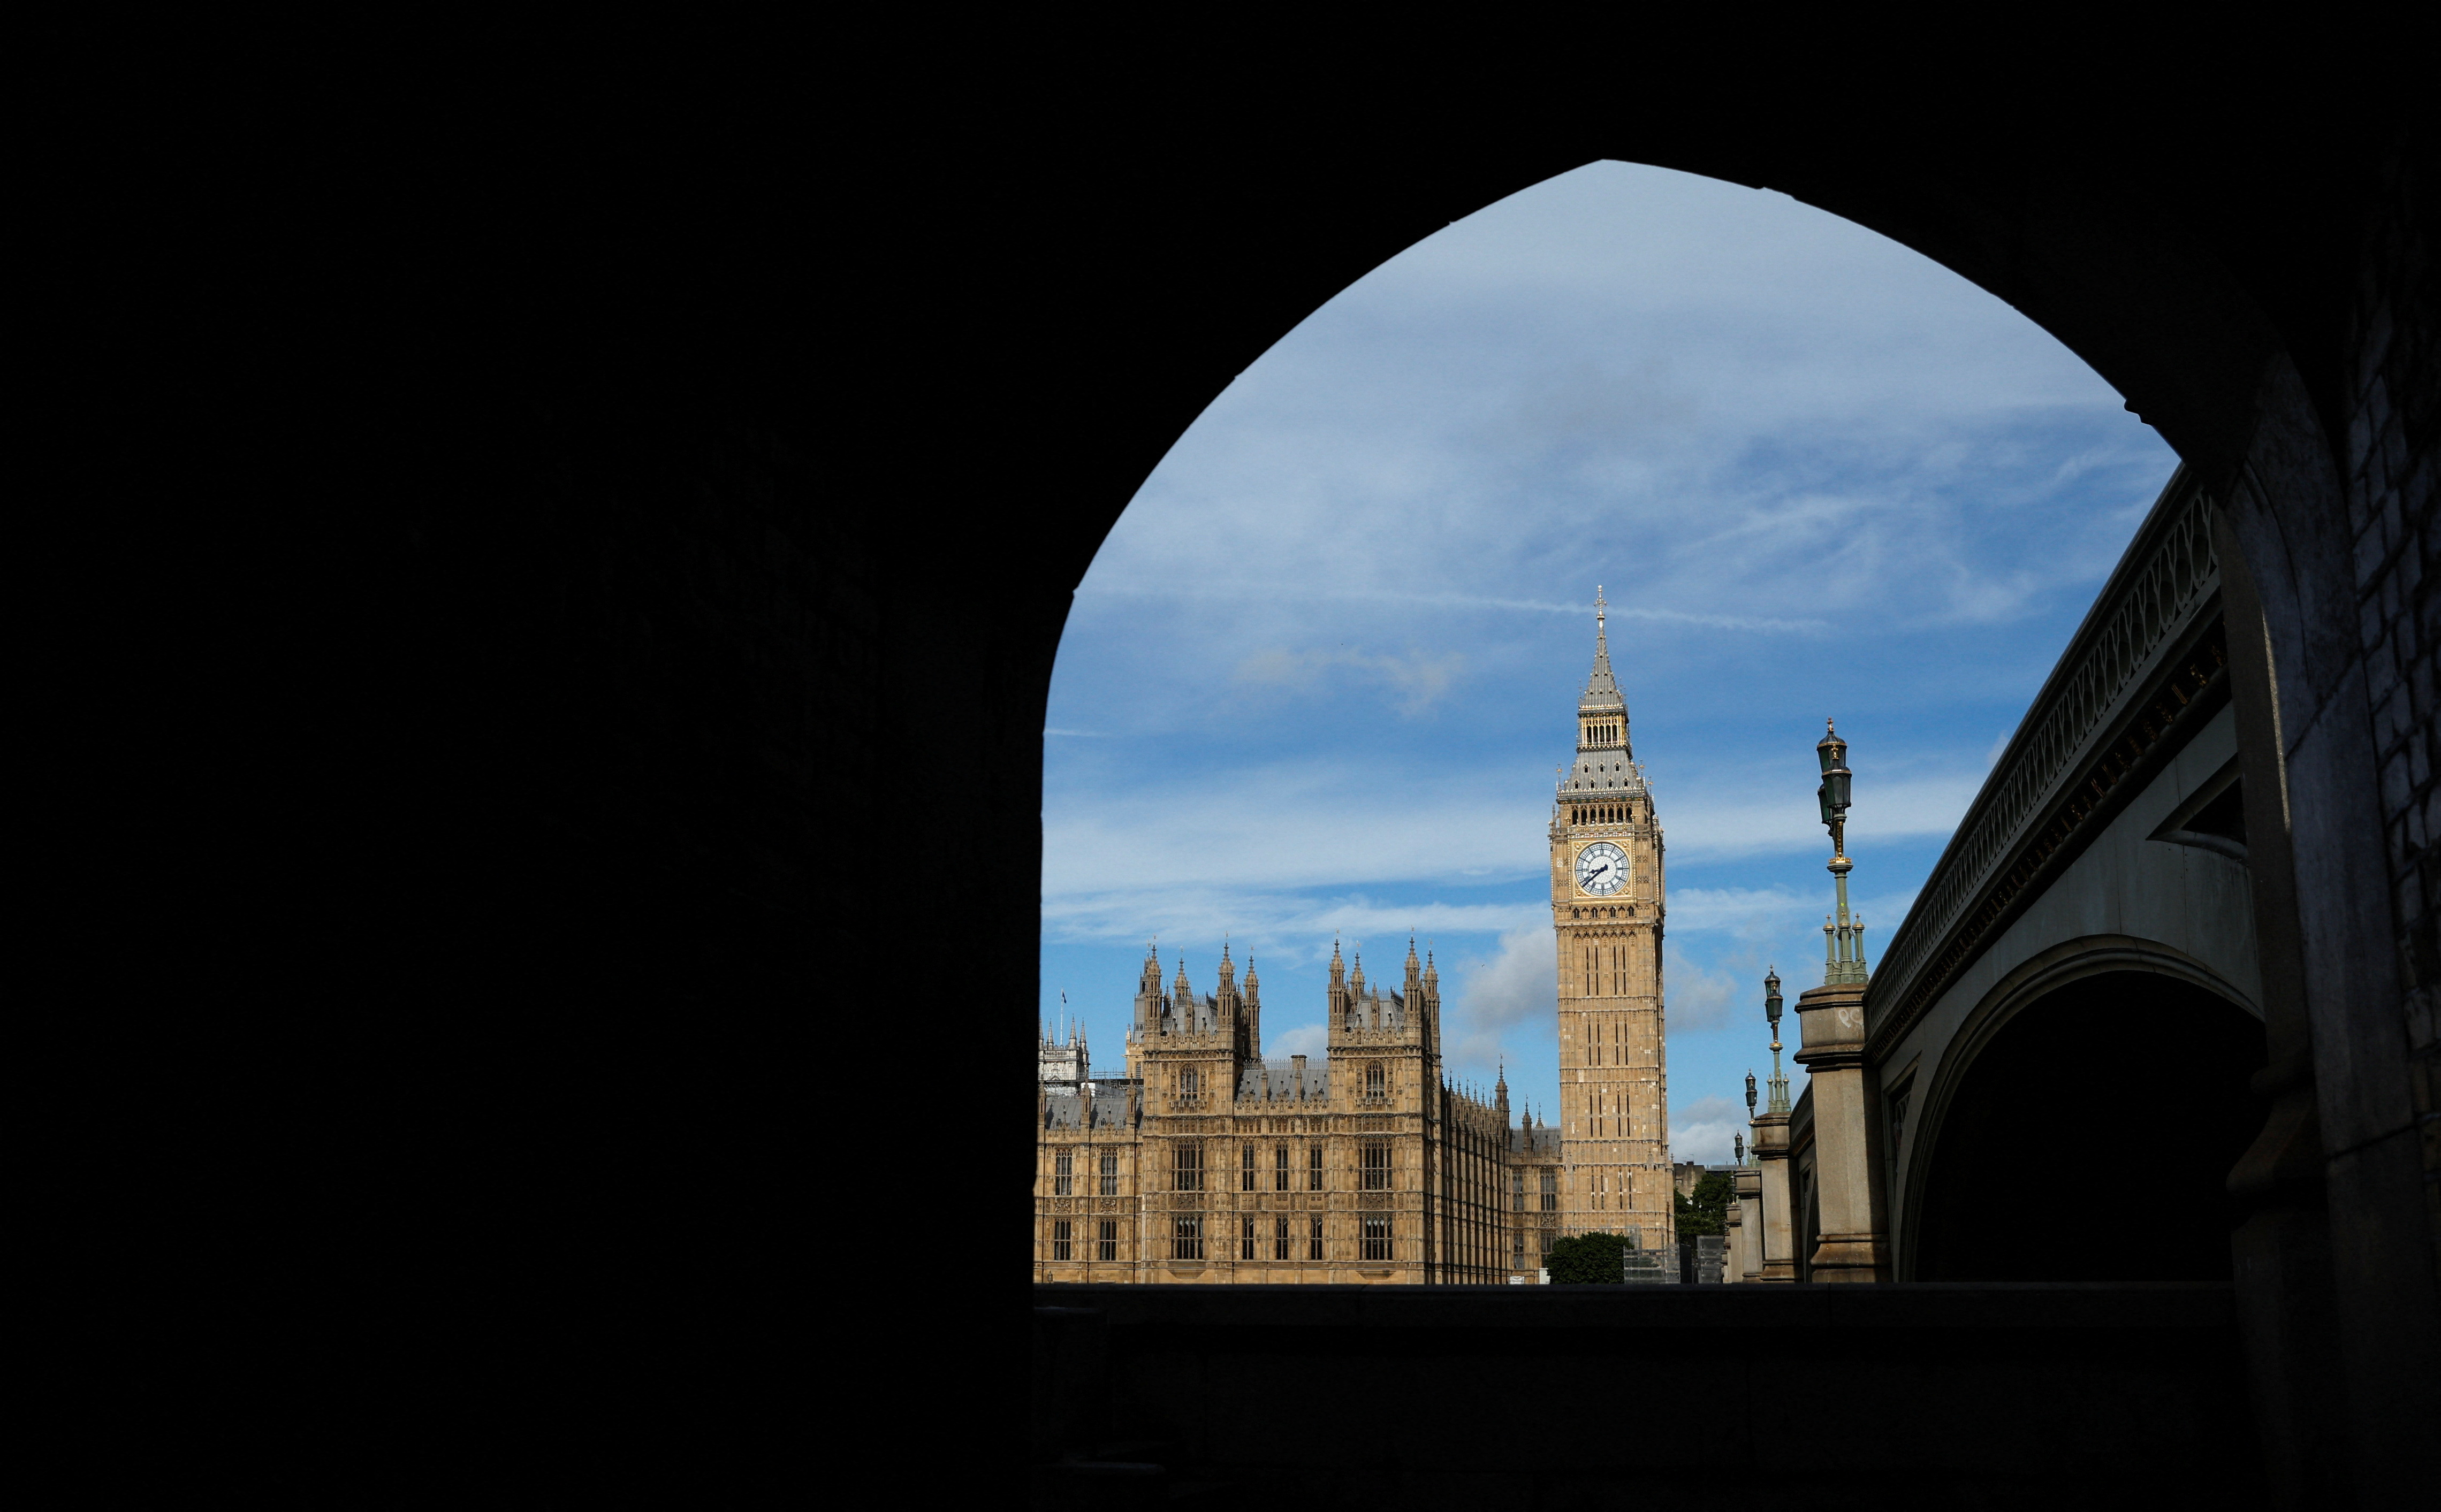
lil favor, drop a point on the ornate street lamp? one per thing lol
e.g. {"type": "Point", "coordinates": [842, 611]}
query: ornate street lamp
{"type": "Point", "coordinates": [1778, 1103]}
{"type": "Point", "coordinates": [1750, 1117]}
{"type": "Point", "coordinates": [1843, 937]}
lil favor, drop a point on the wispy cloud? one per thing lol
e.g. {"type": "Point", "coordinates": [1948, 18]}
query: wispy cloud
{"type": "Point", "coordinates": [1238, 590]}
{"type": "Point", "coordinates": [1416, 679]}
{"type": "Point", "coordinates": [1289, 924]}
{"type": "Point", "coordinates": [1310, 823]}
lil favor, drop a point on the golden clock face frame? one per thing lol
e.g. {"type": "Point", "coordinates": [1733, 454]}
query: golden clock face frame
{"type": "Point", "coordinates": [1601, 869]}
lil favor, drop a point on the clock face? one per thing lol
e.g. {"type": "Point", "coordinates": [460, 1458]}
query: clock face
{"type": "Point", "coordinates": [1601, 869]}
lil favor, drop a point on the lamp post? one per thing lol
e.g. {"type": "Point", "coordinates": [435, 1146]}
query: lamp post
{"type": "Point", "coordinates": [1843, 937]}
{"type": "Point", "coordinates": [1778, 1103]}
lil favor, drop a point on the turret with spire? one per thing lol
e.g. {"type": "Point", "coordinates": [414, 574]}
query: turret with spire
{"type": "Point", "coordinates": [1253, 1009]}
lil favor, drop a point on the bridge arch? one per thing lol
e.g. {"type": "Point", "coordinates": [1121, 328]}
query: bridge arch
{"type": "Point", "coordinates": [2043, 1159]}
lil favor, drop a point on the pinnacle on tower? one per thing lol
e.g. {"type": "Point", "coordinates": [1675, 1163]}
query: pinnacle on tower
{"type": "Point", "coordinates": [1601, 687]}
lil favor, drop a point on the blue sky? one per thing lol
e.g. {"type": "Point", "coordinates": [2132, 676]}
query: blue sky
{"type": "Point", "coordinates": [1319, 675]}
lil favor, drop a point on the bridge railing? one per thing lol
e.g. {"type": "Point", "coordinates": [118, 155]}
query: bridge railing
{"type": "Point", "coordinates": [2035, 799]}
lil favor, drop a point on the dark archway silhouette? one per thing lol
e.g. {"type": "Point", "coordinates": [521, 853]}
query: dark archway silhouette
{"type": "Point", "coordinates": [2092, 1137]}
{"type": "Point", "coordinates": [510, 676]}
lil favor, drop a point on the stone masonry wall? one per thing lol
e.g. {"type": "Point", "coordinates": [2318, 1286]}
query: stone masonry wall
{"type": "Point", "coordinates": [2394, 410]}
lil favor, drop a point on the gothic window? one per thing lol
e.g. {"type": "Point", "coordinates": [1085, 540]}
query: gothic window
{"type": "Point", "coordinates": [1517, 1189]}
{"type": "Point", "coordinates": [1059, 1240]}
{"type": "Point", "coordinates": [1186, 1237]}
{"type": "Point", "coordinates": [1063, 1174]}
{"type": "Point", "coordinates": [1186, 1167]}
{"type": "Point", "coordinates": [1377, 1238]}
{"type": "Point", "coordinates": [1186, 1083]}
{"type": "Point", "coordinates": [1246, 1172]}
{"type": "Point", "coordinates": [1545, 1251]}
{"type": "Point", "coordinates": [1517, 1252]}
{"type": "Point", "coordinates": [1110, 1240]}
{"type": "Point", "coordinates": [1374, 1081]}
{"type": "Point", "coordinates": [1280, 1172]}
{"type": "Point", "coordinates": [1246, 1237]}
{"type": "Point", "coordinates": [1313, 1169]}
{"type": "Point", "coordinates": [1313, 1250]}
{"type": "Point", "coordinates": [1551, 1190]}
{"type": "Point", "coordinates": [1280, 1238]}
{"type": "Point", "coordinates": [1110, 1173]}
{"type": "Point", "coordinates": [1377, 1166]}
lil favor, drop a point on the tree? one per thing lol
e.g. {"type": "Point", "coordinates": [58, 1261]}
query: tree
{"type": "Point", "coordinates": [1588, 1259]}
{"type": "Point", "coordinates": [1707, 1210]}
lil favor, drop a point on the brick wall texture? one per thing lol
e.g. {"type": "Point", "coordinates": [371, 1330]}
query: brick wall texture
{"type": "Point", "coordinates": [2394, 408]}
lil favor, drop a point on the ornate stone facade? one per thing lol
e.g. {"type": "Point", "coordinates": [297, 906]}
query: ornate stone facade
{"type": "Point", "coordinates": [1607, 907]}
{"type": "Point", "coordinates": [1204, 1165]}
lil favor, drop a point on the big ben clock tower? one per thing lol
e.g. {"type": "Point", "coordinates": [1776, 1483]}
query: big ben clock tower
{"type": "Point", "coordinates": [1607, 909]}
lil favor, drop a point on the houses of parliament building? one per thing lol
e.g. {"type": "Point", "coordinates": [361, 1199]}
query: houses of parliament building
{"type": "Point", "coordinates": [1207, 1164]}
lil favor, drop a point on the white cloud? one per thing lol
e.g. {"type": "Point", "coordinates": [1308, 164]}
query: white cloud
{"type": "Point", "coordinates": [1311, 1040]}
{"type": "Point", "coordinates": [1497, 1001]}
{"type": "Point", "coordinates": [1702, 1129]}
{"type": "Point", "coordinates": [1115, 856]}
{"type": "Point", "coordinates": [1696, 999]}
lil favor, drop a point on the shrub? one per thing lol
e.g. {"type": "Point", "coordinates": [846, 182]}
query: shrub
{"type": "Point", "coordinates": [1587, 1259]}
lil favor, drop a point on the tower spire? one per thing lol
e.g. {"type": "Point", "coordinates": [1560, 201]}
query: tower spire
{"type": "Point", "coordinates": [1605, 757]}
{"type": "Point", "coordinates": [1602, 687]}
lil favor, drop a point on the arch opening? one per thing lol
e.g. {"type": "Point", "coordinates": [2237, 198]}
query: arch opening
{"type": "Point", "coordinates": [1474, 494]}
{"type": "Point", "coordinates": [2091, 1139]}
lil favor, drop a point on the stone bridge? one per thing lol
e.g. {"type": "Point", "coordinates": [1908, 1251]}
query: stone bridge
{"type": "Point", "coordinates": [2048, 1076]}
